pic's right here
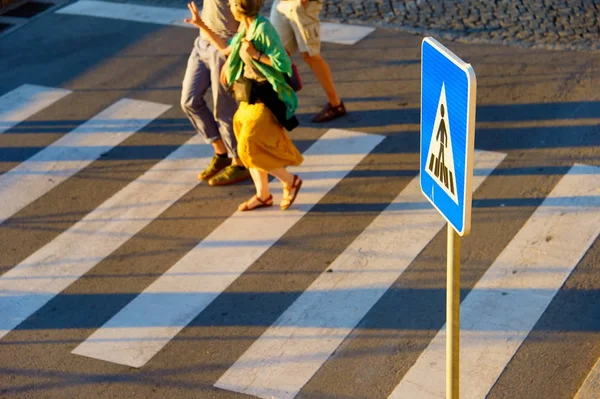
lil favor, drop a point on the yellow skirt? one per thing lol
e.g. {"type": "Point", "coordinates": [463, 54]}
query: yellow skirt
{"type": "Point", "coordinates": [262, 142]}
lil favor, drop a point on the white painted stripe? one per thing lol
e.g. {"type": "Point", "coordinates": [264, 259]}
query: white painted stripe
{"type": "Point", "coordinates": [129, 12]}
{"type": "Point", "coordinates": [25, 101]}
{"type": "Point", "coordinates": [505, 304]}
{"type": "Point", "coordinates": [59, 161]}
{"type": "Point", "coordinates": [290, 352]}
{"type": "Point", "coordinates": [30, 285]}
{"type": "Point", "coordinates": [330, 32]}
{"type": "Point", "coordinates": [590, 389]}
{"type": "Point", "coordinates": [154, 317]}
{"type": "Point", "coordinates": [343, 34]}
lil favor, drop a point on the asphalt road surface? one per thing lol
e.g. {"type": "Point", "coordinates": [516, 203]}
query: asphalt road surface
{"type": "Point", "coordinates": [122, 276]}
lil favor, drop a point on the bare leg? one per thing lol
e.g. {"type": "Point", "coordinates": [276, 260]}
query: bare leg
{"type": "Point", "coordinates": [284, 176]}
{"type": "Point", "coordinates": [321, 69]}
{"type": "Point", "coordinates": [289, 189]}
{"type": "Point", "coordinates": [261, 182]}
{"type": "Point", "coordinates": [219, 147]}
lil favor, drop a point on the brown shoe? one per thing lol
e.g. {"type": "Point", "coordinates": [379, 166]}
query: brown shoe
{"type": "Point", "coordinates": [329, 112]}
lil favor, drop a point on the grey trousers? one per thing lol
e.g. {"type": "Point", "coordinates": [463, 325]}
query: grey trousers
{"type": "Point", "coordinates": [203, 72]}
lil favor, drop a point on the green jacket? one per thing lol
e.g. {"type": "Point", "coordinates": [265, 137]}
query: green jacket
{"type": "Point", "coordinates": [265, 39]}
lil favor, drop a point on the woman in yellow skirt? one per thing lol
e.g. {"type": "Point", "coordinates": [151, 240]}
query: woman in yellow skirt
{"type": "Point", "coordinates": [257, 66]}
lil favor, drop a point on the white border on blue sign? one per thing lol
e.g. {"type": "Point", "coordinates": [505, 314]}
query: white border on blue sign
{"type": "Point", "coordinates": [471, 104]}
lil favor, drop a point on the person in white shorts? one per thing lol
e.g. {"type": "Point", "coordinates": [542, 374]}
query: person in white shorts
{"type": "Point", "coordinates": [298, 25]}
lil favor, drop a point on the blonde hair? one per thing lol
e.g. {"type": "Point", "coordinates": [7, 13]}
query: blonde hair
{"type": "Point", "coordinates": [249, 8]}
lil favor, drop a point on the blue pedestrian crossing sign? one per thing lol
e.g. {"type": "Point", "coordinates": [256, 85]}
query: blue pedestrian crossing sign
{"type": "Point", "coordinates": [448, 90]}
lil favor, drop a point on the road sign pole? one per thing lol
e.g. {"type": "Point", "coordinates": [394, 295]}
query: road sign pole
{"type": "Point", "coordinates": [448, 92]}
{"type": "Point", "coordinates": [452, 314]}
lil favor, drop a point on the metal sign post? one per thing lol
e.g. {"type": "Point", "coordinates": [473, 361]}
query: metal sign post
{"type": "Point", "coordinates": [452, 314]}
{"type": "Point", "coordinates": [448, 91]}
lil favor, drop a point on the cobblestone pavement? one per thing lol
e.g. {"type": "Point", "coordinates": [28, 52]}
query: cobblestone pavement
{"type": "Point", "coordinates": [553, 24]}
{"type": "Point", "coordinates": [549, 24]}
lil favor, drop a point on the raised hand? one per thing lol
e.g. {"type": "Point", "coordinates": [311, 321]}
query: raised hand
{"type": "Point", "coordinates": [195, 20]}
{"type": "Point", "coordinates": [248, 48]}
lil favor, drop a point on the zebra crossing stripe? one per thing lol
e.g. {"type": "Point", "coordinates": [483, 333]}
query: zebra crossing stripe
{"type": "Point", "coordinates": [143, 327]}
{"type": "Point", "coordinates": [505, 304]}
{"type": "Point", "coordinates": [74, 151]}
{"type": "Point", "coordinates": [590, 389]}
{"type": "Point", "coordinates": [30, 285]}
{"type": "Point", "coordinates": [291, 351]}
{"type": "Point", "coordinates": [343, 33]}
{"type": "Point", "coordinates": [129, 12]}
{"type": "Point", "coordinates": [25, 101]}
{"type": "Point", "coordinates": [330, 32]}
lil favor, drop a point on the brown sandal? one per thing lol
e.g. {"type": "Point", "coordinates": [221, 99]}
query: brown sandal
{"type": "Point", "coordinates": [289, 199]}
{"type": "Point", "coordinates": [261, 203]}
{"type": "Point", "coordinates": [329, 112]}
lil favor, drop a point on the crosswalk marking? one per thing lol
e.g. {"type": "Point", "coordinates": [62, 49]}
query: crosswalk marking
{"type": "Point", "coordinates": [330, 32]}
{"type": "Point", "coordinates": [288, 354]}
{"type": "Point", "coordinates": [65, 157]}
{"type": "Point", "coordinates": [497, 316]}
{"type": "Point", "coordinates": [35, 281]}
{"type": "Point", "coordinates": [506, 303]}
{"type": "Point", "coordinates": [129, 12]}
{"type": "Point", "coordinates": [152, 319]}
{"type": "Point", "coordinates": [344, 34]}
{"type": "Point", "coordinates": [590, 389]}
{"type": "Point", "coordinates": [25, 101]}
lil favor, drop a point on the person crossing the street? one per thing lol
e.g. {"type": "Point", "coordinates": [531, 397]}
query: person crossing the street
{"type": "Point", "coordinates": [257, 67]}
{"type": "Point", "coordinates": [298, 25]}
{"type": "Point", "coordinates": [203, 70]}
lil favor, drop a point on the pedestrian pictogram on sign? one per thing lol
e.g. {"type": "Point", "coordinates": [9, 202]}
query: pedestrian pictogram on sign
{"type": "Point", "coordinates": [440, 160]}
{"type": "Point", "coordinates": [448, 91]}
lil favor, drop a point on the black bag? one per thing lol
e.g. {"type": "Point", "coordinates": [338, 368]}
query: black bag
{"type": "Point", "coordinates": [243, 89]}
{"type": "Point", "coordinates": [264, 91]}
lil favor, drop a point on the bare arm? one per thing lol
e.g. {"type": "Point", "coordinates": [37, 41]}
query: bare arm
{"type": "Point", "coordinates": [249, 48]}
{"type": "Point", "coordinates": [215, 39]}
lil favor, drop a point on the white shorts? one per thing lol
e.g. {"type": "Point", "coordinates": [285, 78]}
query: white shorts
{"type": "Point", "coordinates": [298, 26]}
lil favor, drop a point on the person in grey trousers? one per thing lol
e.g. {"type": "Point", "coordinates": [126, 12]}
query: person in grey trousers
{"type": "Point", "coordinates": [203, 72]}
